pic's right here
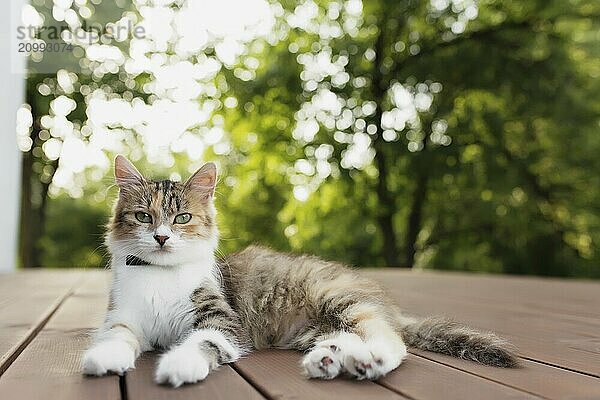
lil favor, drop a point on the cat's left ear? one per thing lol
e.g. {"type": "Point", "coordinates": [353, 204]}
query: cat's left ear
{"type": "Point", "coordinates": [203, 181]}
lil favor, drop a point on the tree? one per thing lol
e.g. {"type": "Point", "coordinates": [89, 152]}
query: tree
{"type": "Point", "coordinates": [442, 134]}
{"type": "Point", "coordinates": [408, 51]}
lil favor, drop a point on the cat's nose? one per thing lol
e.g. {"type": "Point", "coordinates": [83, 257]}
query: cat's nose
{"type": "Point", "coordinates": [161, 239]}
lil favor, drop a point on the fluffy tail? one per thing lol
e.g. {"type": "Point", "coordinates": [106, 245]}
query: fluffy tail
{"type": "Point", "coordinates": [448, 337]}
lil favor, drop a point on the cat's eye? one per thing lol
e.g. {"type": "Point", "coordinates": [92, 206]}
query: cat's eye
{"type": "Point", "coordinates": [183, 218]}
{"type": "Point", "coordinates": [143, 217]}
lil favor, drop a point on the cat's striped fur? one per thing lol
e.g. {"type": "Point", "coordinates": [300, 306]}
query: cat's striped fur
{"type": "Point", "coordinates": [206, 312]}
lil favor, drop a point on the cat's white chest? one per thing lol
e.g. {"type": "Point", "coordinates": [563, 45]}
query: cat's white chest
{"type": "Point", "coordinates": [155, 302]}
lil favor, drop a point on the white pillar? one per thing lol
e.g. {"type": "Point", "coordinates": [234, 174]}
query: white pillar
{"type": "Point", "coordinates": [13, 88]}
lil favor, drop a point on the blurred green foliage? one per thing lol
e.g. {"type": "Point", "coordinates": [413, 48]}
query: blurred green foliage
{"type": "Point", "coordinates": [74, 234]}
{"type": "Point", "coordinates": [500, 173]}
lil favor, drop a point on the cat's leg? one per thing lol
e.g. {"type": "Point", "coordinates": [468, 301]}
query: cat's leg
{"type": "Point", "coordinates": [384, 345]}
{"type": "Point", "coordinates": [368, 348]}
{"type": "Point", "coordinates": [115, 349]}
{"type": "Point", "coordinates": [216, 339]}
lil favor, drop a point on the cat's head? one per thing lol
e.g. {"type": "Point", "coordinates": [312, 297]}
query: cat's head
{"type": "Point", "coordinates": [163, 222]}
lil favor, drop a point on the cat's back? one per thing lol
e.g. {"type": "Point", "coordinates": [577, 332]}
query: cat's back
{"type": "Point", "coordinates": [262, 264]}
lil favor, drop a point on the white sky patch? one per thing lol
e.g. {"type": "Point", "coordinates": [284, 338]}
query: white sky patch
{"type": "Point", "coordinates": [463, 12]}
{"type": "Point", "coordinates": [404, 113]}
{"type": "Point", "coordinates": [62, 106]}
{"type": "Point", "coordinates": [359, 154]}
{"type": "Point", "coordinates": [175, 120]}
{"type": "Point", "coordinates": [102, 53]}
{"type": "Point", "coordinates": [30, 16]}
{"type": "Point", "coordinates": [301, 193]}
{"type": "Point", "coordinates": [24, 124]}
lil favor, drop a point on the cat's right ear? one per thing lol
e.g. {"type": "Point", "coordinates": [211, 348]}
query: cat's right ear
{"type": "Point", "coordinates": [125, 173]}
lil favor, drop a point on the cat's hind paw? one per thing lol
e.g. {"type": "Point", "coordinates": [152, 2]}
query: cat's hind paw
{"type": "Point", "coordinates": [386, 356]}
{"type": "Point", "coordinates": [348, 353]}
{"type": "Point", "coordinates": [180, 365]}
{"type": "Point", "coordinates": [372, 360]}
{"type": "Point", "coordinates": [109, 356]}
{"type": "Point", "coordinates": [322, 363]}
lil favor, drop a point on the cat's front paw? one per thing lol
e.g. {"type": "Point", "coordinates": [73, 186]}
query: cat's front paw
{"type": "Point", "coordinates": [109, 356]}
{"type": "Point", "coordinates": [180, 366]}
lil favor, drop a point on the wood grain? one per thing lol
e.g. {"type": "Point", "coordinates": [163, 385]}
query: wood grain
{"type": "Point", "coordinates": [572, 342]}
{"type": "Point", "coordinates": [223, 384]}
{"type": "Point", "coordinates": [276, 373]}
{"type": "Point", "coordinates": [542, 380]}
{"type": "Point", "coordinates": [553, 321]}
{"type": "Point", "coordinates": [420, 378]}
{"type": "Point", "coordinates": [552, 295]}
{"type": "Point", "coordinates": [49, 368]}
{"type": "Point", "coordinates": [562, 343]}
{"type": "Point", "coordinates": [27, 300]}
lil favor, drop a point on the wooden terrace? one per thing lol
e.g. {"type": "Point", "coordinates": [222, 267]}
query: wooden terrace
{"type": "Point", "coordinates": [46, 318]}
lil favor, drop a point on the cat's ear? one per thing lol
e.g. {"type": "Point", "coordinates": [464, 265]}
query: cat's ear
{"type": "Point", "coordinates": [126, 173]}
{"type": "Point", "coordinates": [203, 181]}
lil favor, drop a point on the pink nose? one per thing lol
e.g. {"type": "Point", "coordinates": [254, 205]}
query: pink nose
{"type": "Point", "coordinates": [161, 239]}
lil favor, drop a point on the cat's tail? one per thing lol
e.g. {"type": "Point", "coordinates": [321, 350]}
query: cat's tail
{"type": "Point", "coordinates": [445, 336]}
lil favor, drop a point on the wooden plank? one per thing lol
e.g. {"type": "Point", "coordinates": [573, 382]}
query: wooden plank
{"type": "Point", "coordinates": [542, 380]}
{"type": "Point", "coordinates": [559, 340]}
{"type": "Point", "coordinates": [420, 378]}
{"type": "Point", "coordinates": [276, 373]}
{"type": "Point", "coordinates": [223, 384]}
{"type": "Point", "coordinates": [561, 343]}
{"type": "Point", "coordinates": [27, 301]}
{"type": "Point", "coordinates": [551, 295]}
{"type": "Point", "coordinates": [97, 283]}
{"type": "Point", "coordinates": [538, 335]}
{"type": "Point", "coordinates": [49, 368]}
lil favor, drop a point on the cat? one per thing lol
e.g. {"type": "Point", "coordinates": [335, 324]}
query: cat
{"type": "Point", "coordinates": [170, 292]}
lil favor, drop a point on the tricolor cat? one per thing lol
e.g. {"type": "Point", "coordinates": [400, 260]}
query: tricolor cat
{"type": "Point", "coordinates": [169, 292]}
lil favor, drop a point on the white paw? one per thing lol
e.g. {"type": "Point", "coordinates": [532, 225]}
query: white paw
{"type": "Point", "coordinates": [109, 356]}
{"type": "Point", "coordinates": [181, 365]}
{"type": "Point", "coordinates": [321, 362]}
{"type": "Point", "coordinates": [374, 359]}
{"type": "Point", "coordinates": [357, 360]}
{"type": "Point", "coordinates": [352, 355]}
{"type": "Point", "coordinates": [386, 356]}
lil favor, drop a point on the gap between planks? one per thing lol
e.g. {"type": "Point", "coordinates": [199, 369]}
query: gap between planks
{"type": "Point", "coordinates": [123, 386]}
{"type": "Point", "coordinates": [13, 353]}
{"type": "Point", "coordinates": [276, 374]}
{"type": "Point", "coordinates": [223, 384]}
{"type": "Point", "coordinates": [50, 366]}
{"type": "Point", "coordinates": [549, 364]}
{"type": "Point", "coordinates": [423, 298]}
{"type": "Point", "coordinates": [541, 379]}
{"type": "Point", "coordinates": [421, 355]}
{"type": "Point", "coordinates": [485, 377]}
{"type": "Point", "coordinates": [36, 327]}
{"type": "Point", "coordinates": [395, 390]}
{"type": "Point", "coordinates": [245, 377]}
